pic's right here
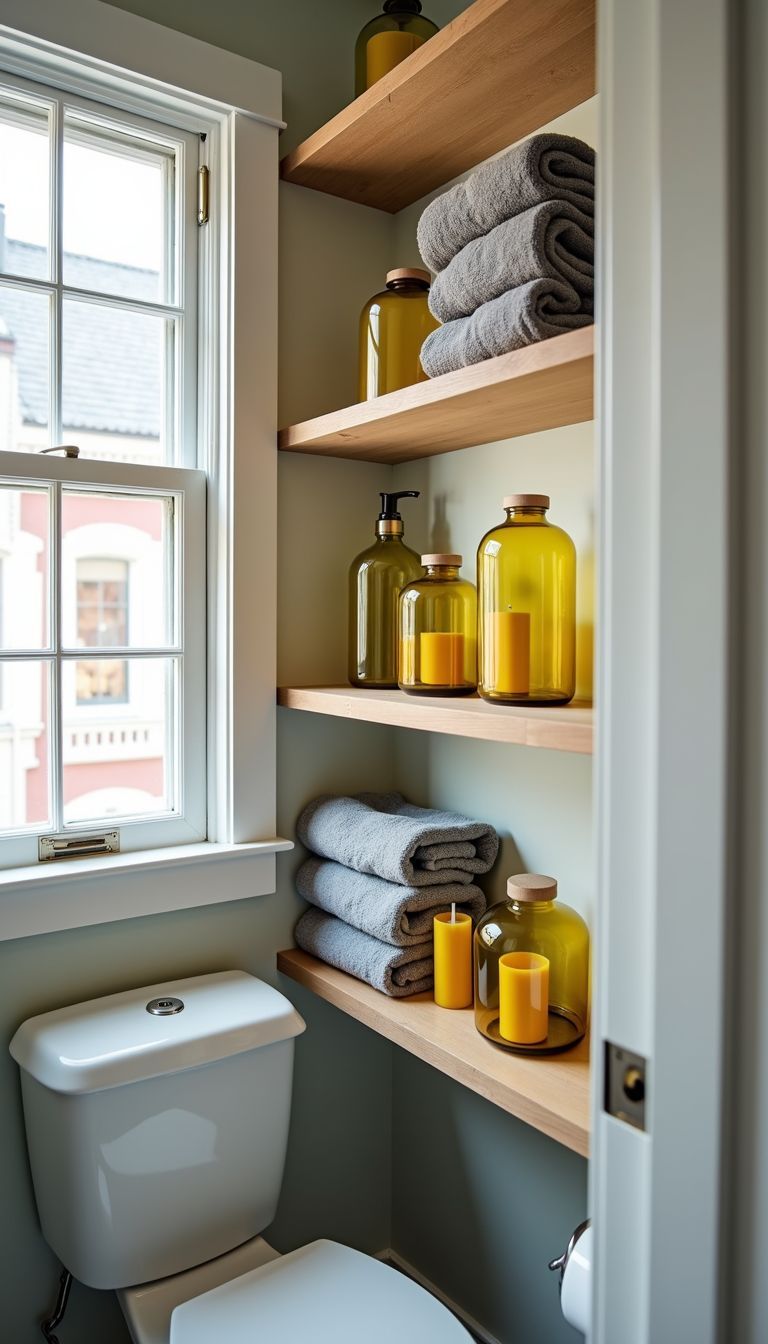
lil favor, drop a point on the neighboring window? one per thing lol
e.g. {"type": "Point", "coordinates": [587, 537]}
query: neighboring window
{"type": "Point", "coordinates": [102, 643]}
{"type": "Point", "coordinates": [102, 621]}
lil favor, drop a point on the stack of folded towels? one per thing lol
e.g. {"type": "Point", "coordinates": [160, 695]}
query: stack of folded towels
{"type": "Point", "coordinates": [382, 869]}
{"type": "Point", "coordinates": [513, 248]}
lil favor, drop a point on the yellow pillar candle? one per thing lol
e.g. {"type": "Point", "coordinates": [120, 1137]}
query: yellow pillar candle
{"type": "Point", "coordinates": [453, 960]}
{"type": "Point", "coordinates": [386, 50]}
{"type": "Point", "coordinates": [523, 997]}
{"type": "Point", "coordinates": [510, 651]}
{"type": "Point", "coordinates": [442, 659]}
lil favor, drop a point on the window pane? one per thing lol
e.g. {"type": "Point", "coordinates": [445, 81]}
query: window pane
{"type": "Point", "coordinates": [24, 201]}
{"type": "Point", "coordinates": [24, 744]}
{"type": "Point", "coordinates": [118, 197]}
{"type": "Point", "coordinates": [117, 380]}
{"type": "Point", "coordinates": [24, 370]}
{"type": "Point", "coordinates": [116, 566]}
{"type": "Point", "coordinates": [24, 555]}
{"type": "Point", "coordinates": [116, 755]}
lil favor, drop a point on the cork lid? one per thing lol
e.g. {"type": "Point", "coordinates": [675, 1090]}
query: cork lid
{"type": "Point", "coordinates": [441, 558]}
{"type": "Point", "coordinates": [525, 501]}
{"type": "Point", "coordinates": [532, 887]}
{"type": "Point", "coordinates": [409, 273]}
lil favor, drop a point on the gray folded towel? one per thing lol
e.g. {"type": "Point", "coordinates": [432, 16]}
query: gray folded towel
{"type": "Point", "coordinates": [381, 833]}
{"type": "Point", "coordinates": [545, 167]}
{"type": "Point", "coordinates": [398, 915]}
{"type": "Point", "coordinates": [523, 316]}
{"type": "Point", "coordinates": [551, 240]}
{"type": "Point", "coordinates": [397, 971]}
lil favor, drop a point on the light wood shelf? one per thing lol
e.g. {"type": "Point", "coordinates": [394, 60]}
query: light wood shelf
{"type": "Point", "coordinates": [550, 1093]}
{"type": "Point", "coordinates": [500, 70]}
{"type": "Point", "coordinates": [541, 387]}
{"type": "Point", "coordinates": [562, 728]}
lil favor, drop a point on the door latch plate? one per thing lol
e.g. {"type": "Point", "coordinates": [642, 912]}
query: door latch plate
{"type": "Point", "coordinates": [625, 1085]}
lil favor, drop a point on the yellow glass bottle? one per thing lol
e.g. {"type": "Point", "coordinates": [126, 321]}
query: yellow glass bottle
{"type": "Point", "coordinates": [393, 327]}
{"type": "Point", "coordinates": [526, 579]}
{"type": "Point", "coordinates": [438, 625]}
{"type": "Point", "coordinates": [376, 576]}
{"type": "Point", "coordinates": [556, 939]}
{"type": "Point", "coordinates": [388, 39]}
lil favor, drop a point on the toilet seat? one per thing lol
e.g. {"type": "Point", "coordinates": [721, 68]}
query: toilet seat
{"type": "Point", "coordinates": [324, 1292]}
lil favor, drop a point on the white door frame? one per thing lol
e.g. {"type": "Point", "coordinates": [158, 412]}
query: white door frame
{"type": "Point", "coordinates": [663, 662]}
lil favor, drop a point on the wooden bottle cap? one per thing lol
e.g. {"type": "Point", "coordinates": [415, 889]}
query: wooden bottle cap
{"type": "Point", "coordinates": [531, 887]}
{"type": "Point", "coordinates": [525, 502]}
{"type": "Point", "coordinates": [409, 273]}
{"type": "Point", "coordinates": [441, 558]}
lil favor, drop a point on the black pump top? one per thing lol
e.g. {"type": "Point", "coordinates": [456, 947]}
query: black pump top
{"type": "Point", "coordinates": [389, 509]}
{"type": "Point", "coordinates": [403, 6]}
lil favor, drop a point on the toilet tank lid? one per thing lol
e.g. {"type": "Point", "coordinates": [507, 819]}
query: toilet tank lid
{"type": "Point", "coordinates": [114, 1040]}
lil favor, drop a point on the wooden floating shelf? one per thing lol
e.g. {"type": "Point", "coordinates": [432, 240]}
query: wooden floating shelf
{"type": "Point", "coordinates": [500, 70]}
{"type": "Point", "coordinates": [550, 1093]}
{"type": "Point", "coordinates": [563, 728]}
{"type": "Point", "coordinates": [541, 387]}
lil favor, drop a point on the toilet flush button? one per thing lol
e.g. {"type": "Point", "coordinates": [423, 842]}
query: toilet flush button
{"type": "Point", "coordinates": [164, 1007]}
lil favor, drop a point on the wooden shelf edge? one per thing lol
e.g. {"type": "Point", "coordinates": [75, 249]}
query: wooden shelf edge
{"type": "Point", "coordinates": [427, 120]}
{"type": "Point", "coordinates": [543, 386]}
{"type": "Point", "coordinates": [550, 1094]}
{"type": "Point", "coordinates": [567, 728]}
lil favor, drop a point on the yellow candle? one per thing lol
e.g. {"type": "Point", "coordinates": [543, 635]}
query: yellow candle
{"type": "Point", "coordinates": [453, 961]}
{"type": "Point", "coordinates": [509, 650]}
{"type": "Point", "coordinates": [523, 997]}
{"type": "Point", "coordinates": [442, 659]}
{"type": "Point", "coordinates": [386, 50]}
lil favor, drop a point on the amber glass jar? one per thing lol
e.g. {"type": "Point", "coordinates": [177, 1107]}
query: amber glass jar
{"type": "Point", "coordinates": [531, 920]}
{"type": "Point", "coordinates": [438, 625]}
{"type": "Point", "coordinates": [393, 327]}
{"type": "Point", "coordinates": [388, 39]}
{"type": "Point", "coordinates": [526, 579]}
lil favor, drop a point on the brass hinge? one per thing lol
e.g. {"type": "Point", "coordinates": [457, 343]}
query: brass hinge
{"type": "Point", "coordinates": [203, 193]}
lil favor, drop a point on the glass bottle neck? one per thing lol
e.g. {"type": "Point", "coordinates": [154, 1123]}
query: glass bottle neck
{"type": "Point", "coordinates": [526, 907]}
{"type": "Point", "coordinates": [441, 571]}
{"type": "Point", "coordinates": [529, 513]}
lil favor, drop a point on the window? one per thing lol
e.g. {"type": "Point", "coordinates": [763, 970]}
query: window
{"type": "Point", "coordinates": [102, 558]}
{"type": "Point", "coordinates": [102, 620]}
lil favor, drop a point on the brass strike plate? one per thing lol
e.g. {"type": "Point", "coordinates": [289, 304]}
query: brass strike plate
{"type": "Point", "coordinates": [625, 1085]}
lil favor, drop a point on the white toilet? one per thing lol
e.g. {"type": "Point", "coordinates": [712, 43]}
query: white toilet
{"type": "Point", "coordinates": [157, 1123]}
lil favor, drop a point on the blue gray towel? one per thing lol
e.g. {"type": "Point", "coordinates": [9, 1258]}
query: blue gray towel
{"type": "Point", "coordinates": [381, 833]}
{"type": "Point", "coordinates": [523, 316]}
{"type": "Point", "coordinates": [545, 167]}
{"type": "Point", "coordinates": [550, 241]}
{"type": "Point", "coordinates": [401, 916]}
{"type": "Point", "coordinates": [397, 971]}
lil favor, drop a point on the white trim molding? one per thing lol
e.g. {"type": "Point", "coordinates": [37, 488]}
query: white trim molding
{"type": "Point", "coordinates": [663, 686]}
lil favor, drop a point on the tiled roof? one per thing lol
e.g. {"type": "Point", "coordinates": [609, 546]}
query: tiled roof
{"type": "Point", "coordinates": [111, 358]}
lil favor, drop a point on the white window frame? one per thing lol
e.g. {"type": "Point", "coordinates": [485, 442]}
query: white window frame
{"type": "Point", "coordinates": [134, 65]}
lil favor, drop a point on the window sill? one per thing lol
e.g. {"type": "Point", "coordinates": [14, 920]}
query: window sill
{"type": "Point", "coordinates": [73, 893]}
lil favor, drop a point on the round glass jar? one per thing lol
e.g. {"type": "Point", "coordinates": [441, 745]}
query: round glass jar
{"type": "Point", "coordinates": [438, 625]}
{"type": "Point", "coordinates": [526, 582]}
{"type": "Point", "coordinates": [387, 39]}
{"type": "Point", "coordinates": [531, 920]}
{"type": "Point", "coordinates": [393, 327]}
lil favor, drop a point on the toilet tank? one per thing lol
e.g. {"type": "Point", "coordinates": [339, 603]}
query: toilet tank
{"type": "Point", "coordinates": [157, 1133]}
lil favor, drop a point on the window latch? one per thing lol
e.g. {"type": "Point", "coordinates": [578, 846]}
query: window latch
{"type": "Point", "coordinates": [68, 449]}
{"type": "Point", "coordinates": [77, 846]}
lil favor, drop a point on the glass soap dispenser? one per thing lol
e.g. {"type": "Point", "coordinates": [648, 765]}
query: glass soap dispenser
{"type": "Point", "coordinates": [376, 576]}
{"type": "Point", "coordinates": [532, 934]}
{"type": "Point", "coordinates": [438, 625]}
{"type": "Point", "coordinates": [393, 327]}
{"type": "Point", "coordinates": [526, 580]}
{"type": "Point", "coordinates": [388, 39]}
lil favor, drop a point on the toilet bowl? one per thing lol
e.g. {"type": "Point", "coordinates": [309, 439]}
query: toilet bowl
{"type": "Point", "coordinates": [157, 1124]}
